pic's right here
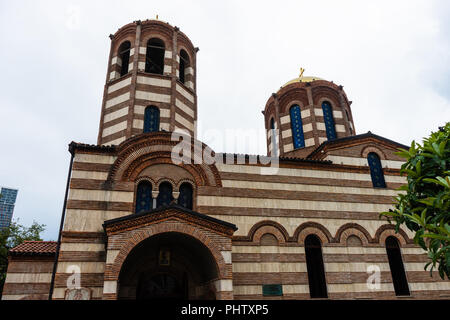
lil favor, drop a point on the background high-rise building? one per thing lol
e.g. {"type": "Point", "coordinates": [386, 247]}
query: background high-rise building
{"type": "Point", "coordinates": [7, 202]}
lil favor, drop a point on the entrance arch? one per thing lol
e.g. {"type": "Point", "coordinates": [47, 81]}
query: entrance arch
{"type": "Point", "coordinates": [169, 265]}
{"type": "Point", "coordinates": [174, 245]}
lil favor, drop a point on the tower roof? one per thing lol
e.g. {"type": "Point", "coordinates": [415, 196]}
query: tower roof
{"type": "Point", "coordinates": [302, 79]}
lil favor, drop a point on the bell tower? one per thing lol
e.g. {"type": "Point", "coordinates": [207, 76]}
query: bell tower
{"type": "Point", "coordinates": [304, 113]}
{"type": "Point", "coordinates": [150, 83]}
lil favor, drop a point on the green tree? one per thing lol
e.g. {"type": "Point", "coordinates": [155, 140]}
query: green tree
{"type": "Point", "coordinates": [424, 205]}
{"type": "Point", "coordinates": [11, 237]}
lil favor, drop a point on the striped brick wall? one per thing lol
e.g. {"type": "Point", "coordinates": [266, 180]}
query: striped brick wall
{"type": "Point", "coordinates": [28, 278]}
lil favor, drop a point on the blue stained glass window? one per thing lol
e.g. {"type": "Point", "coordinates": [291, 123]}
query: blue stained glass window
{"type": "Point", "coordinates": [165, 196]}
{"type": "Point", "coordinates": [144, 197]}
{"type": "Point", "coordinates": [329, 121]}
{"type": "Point", "coordinates": [151, 119]}
{"type": "Point", "coordinates": [376, 171]}
{"type": "Point", "coordinates": [185, 197]}
{"type": "Point", "coordinates": [297, 127]}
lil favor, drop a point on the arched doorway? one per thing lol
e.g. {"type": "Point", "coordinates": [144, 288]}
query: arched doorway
{"type": "Point", "coordinates": [169, 265]}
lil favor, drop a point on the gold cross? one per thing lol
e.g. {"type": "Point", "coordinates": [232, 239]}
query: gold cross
{"type": "Point", "coordinates": [301, 72]}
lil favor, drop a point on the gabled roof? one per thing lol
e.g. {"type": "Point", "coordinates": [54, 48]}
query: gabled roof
{"type": "Point", "coordinates": [345, 140]}
{"type": "Point", "coordinates": [137, 219]}
{"type": "Point", "coordinates": [34, 248]}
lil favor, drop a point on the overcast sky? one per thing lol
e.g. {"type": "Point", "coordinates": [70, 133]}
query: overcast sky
{"type": "Point", "coordinates": [392, 57]}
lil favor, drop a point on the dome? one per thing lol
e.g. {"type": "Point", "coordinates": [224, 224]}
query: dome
{"type": "Point", "coordinates": [302, 79]}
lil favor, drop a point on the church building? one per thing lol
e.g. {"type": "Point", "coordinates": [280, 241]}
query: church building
{"type": "Point", "coordinates": [301, 222]}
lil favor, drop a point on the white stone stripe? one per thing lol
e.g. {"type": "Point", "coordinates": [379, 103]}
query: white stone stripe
{"type": "Point", "coordinates": [116, 114]}
{"type": "Point", "coordinates": [115, 128]}
{"type": "Point", "coordinates": [325, 250]}
{"type": "Point", "coordinates": [309, 142]}
{"type": "Point", "coordinates": [265, 203]}
{"type": "Point", "coordinates": [101, 195]}
{"type": "Point", "coordinates": [142, 50]}
{"type": "Point", "coordinates": [329, 267]}
{"type": "Point", "coordinates": [184, 122]}
{"type": "Point", "coordinates": [224, 285]}
{"type": "Point", "coordinates": [110, 287]}
{"type": "Point", "coordinates": [184, 107]}
{"type": "Point", "coordinates": [96, 175]}
{"type": "Point", "coordinates": [305, 173]}
{"type": "Point", "coordinates": [83, 220]}
{"type": "Point", "coordinates": [85, 267]}
{"type": "Point", "coordinates": [115, 142]}
{"type": "Point", "coordinates": [119, 85]}
{"type": "Point", "coordinates": [168, 54]}
{"type": "Point", "coordinates": [141, 65]}
{"type": "Point", "coordinates": [113, 75]}
{"type": "Point", "coordinates": [189, 70]}
{"type": "Point", "coordinates": [337, 114]}
{"type": "Point", "coordinates": [185, 94]}
{"type": "Point", "coordinates": [138, 124]}
{"type": "Point", "coordinates": [425, 286]}
{"type": "Point", "coordinates": [115, 101]}
{"type": "Point", "coordinates": [13, 296]}
{"type": "Point", "coordinates": [285, 119]}
{"type": "Point", "coordinates": [153, 96]}
{"type": "Point", "coordinates": [153, 81]}
{"type": "Point", "coordinates": [94, 158]}
{"type": "Point", "coordinates": [363, 161]}
{"type": "Point", "coordinates": [111, 256]}
{"type": "Point", "coordinates": [167, 69]}
{"type": "Point", "coordinates": [28, 277]}
{"type": "Point", "coordinates": [82, 247]}
{"type": "Point", "coordinates": [318, 112]}
{"type": "Point", "coordinates": [340, 128]}
{"type": "Point", "coordinates": [288, 147]}
{"type": "Point", "coordinates": [306, 188]}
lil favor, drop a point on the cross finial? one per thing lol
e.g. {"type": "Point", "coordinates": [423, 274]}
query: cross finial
{"type": "Point", "coordinates": [156, 17]}
{"type": "Point", "coordinates": [301, 72]}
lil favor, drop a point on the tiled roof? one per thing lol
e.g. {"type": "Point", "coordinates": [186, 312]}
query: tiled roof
{"type": "Point", "coordinates": [35, 248]}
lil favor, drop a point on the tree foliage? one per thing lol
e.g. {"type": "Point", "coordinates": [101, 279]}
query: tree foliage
{"type": "Point", "coordinates": [11, 237]}
{"type": "Point", "coordinates": [424, 205]}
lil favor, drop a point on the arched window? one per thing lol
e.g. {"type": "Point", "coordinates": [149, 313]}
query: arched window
{"type": "Point", "coordinates": [376, 171]}
{"type": "Point", "coordinates": [165, 196]}
{"type": "Point", "coordinates": [396, 266]}
{"type": "Point", "coordinates": [185, 197]}
{"type": "Point", "coordinates": [184, 64]}
{"type": "Point", "coordinates": [144, 197]}
{"type": "Point", "coordinates": [314, 265]}
{"type": "Point", "coordinates": [329, 120]}
{"type": "Point", "coordinates": [124, 55]}
{"type": "Point", "coordinates": [273, 138]}
{"type": "Point", "coordinates": [297, 127]}
{"type": "Point", "coordinates": [151, 119]}
{"type": "Point", "coordinates": [154, 59]}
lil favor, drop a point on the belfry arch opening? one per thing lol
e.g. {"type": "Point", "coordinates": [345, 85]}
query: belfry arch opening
{"type": "Point", "coordinates": [169, 265]}
{"type": "Point", "coordinates": [154, 59]}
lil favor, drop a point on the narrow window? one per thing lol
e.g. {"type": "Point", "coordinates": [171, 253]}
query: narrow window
{"type": "Point", "coordinates": [185, 197]}
{"type": "Point", "coordinates": [396, 266]}
{"type": "Point", "coordinates": [124, 55]}
{"type": "Point", "coordinates": [165, 196]}
{"type": "Point", "coordinates": [273, 138]}
{"type": "Point", "coordinates": [329, 120]}
{"type": "Point", "coordinates": [143, 197]}
{"type": "Point", "coordinates": [184, 64]}
{"type": "Point", "coordinates": [376, 171]}
{"type": "Point", "coordinates": [151, 119]}
{"type": "Point", "coordinates": [314, 265]}
{"type": "Point", "coordinates": [297, 127]}
{"type": "Point", "coordinates": [154, 59]}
